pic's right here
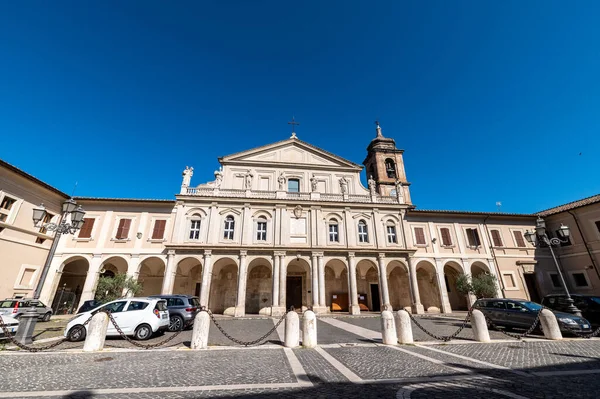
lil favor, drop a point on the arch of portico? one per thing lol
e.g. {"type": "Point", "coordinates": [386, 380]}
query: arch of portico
{"type": "Point", "coordinates": [72, 275]}
{"type": "Point", "coordinates": [452, 270]}
{"type": "Point", "coordinates": [113, 265]}
{"type": "Point", "coordinates": [151, 272]}
{"type": "Point", "coordinates": [298, 284]}
{"type": "Point", "coordinates": [259, 285]}
{"type": "Point", "coordinates": [336, 285]}
{"type": "Point", "coordinates": [478, 268]}
{"type": "Point", "coordinates": [188, 276]}
{"type": "Point", "coordinates": [399, 285]}
{"type": "Point", "coordinates": [428, 287]}
{"type": "Point", "coordinates": [223, 286]}
{"type": "Point", "coordinates": [367, 282]}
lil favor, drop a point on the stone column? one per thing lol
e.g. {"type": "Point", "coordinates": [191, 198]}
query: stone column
{"type": "Point", "coordinates": [278, 308]}
{"type": "Point", "coordinates": [240, 306]}
{"type": "Point", "coordinates": [315, 281]}
{"type": "Point", "coordinates": [206, 273]}
{"type": "Point", "coordinates": [52, 280]}
{"type": "Point", "coordinates": [132, 272]}
{"type": "Point", "coordinates": [282, 281]}
{"type": "Point", "coordinates": [91, 280]}
{"type": "Point", "coordinates": [441, 282]}
{"type": "Point", "coordinates": [170, 271]}
{"type": "Point", "coordinates": [385, 295]}
{"type": "Point", "coordinates": [322, 301]}
{"type": "Point", "coordinates": [275, 293]}
{"type": "Point", "coordinates": [319, 307]}
{"type": "Point", "coordinates": [354, 308]}
{"type": "Point", "coordinates": [417, 307]}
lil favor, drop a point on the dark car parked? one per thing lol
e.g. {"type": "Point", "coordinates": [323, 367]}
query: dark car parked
{"type": "Point", "coordinates": [89, 305]}
{"type": "Point", "coordinates": [182, 310]}
{"type": "Point", "coordinates": [518, 313]}
{"type": "Point", "coordinates": [588, 304]}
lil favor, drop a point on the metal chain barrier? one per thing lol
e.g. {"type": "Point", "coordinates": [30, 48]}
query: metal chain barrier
{"type": "Point", "coordinates": [513, 335]}
{"type": "Point", "coordinates": [8, 334]}
{"type": "Point", "coordinates": [444, 338]}
{"type": "Point", "coordinates": [240, 342]}
{"type": "Point", "coordinates": [138, 344]}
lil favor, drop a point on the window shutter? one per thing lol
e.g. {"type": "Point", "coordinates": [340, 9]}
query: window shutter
{"type": "Point", "coordinates": [420, 235]}
{"type": "Point", "coordinates": [159, 230]}
{"type": "Point", "coordinates": [446, 239]}
{"type": "Point", "coordinates": [86, 229]}
{"type": "Point", "coordinates": [123, 229]}
{"type": "Point", "coordinates": [519, 238]}
{"type": "Point", "coordinates": [496, 238]}
{"type": "Point", "coordinates": [476, 235]}
{"type": "Point", "coordinates": [473, 238]}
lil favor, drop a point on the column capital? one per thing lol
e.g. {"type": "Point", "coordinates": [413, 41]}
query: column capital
{"type": "Point", "coordinates": [351, 254]}
{"type": "Point", "coordinates": [243, 254]}
{"type": "Point", "coordinates": [207, 252]}
{"type": "Point", "coordinates": [279, 253]}
{"type": "Point", "coordinates": [171, 252]}
{"type": "Point", "coordinates": [319, 254]}
{"type": "Point", "coordinates": [134, 256]}
{"type": "Point", "coordinates": [381, 255]}
{"type": "Point", "coordinates": [97, 256]}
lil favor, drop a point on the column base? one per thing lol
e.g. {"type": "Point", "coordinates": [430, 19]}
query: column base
{"type": "Point", "coordinates": [418, 308]}
{"type": "Point", "coordinates": [354, 310]}
{"type": "Point", "coordinates": [387, 306]}
{"type": "Point", "coordinates": [240, 311]}
{"type": "Point", "coordinates": [320, 309]}
{"type": "Point", "coordinates": [278, 311]}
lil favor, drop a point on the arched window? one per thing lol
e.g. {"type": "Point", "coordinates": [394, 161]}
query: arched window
{"type": "Point", "coordinates": [363, 233]}
{"type": "Point", "coordinates": [229, 228]}
{"type": "Point", "coordinates": [390, 168]}
{"type": "Point", "coordinates": [390, 228]}
{"type": "Point", "coordinates": [334, 231]}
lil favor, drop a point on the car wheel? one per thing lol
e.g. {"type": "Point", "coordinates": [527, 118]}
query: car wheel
{"type": "Point", "coordinates": [175, 323]}
{"type": "Point", "coordinates": [143, 332]}
{"type": "Point", "coordinates": [76, 333]}
{"type": "Point", "coordinates": [47, 317]}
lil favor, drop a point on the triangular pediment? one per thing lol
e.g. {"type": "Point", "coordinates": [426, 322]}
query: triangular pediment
{"type": "Point", "coordinates": [289, 152]}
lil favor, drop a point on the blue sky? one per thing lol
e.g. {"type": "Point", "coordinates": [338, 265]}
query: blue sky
{"type": "Point", "coordinates": [491, 101]}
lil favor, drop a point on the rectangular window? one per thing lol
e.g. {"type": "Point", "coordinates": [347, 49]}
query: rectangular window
{"type": "Point", "coordinates": [391, 235]}
{"type": "Point", "coordinates": [194, 230]}
{"type": "Point", "coordinates": [473, 237]}
{"type": "Point", "coordinates": [580, 280]}
{"type": "Point", "coordinates": [86, 229]}
{"type": "Point", "coordinates": [7, 203]}
{"type": "Point", "coordinates": [334, 233]}
{"type": "Point", "coordinates": [446, 237]}
{"type": "Point", "coordinates": [496, 238]}
{"type": "Point", "coordinates": [123, 229]}
{"type": "Point", "coordinates": [158, 233]}
{"type": "Point", "coordinates": [363, 235]}
{"type": "Point", "coordinates": [555, 280]}
{"type": "Point", "coordinates": [519, 240]}
{"type": "Point", "coordinates": [293, 185]}
{"type": "Point", "coordinates": [420, 236]}
{"type": "Point", "coordinates": [229, 228]}
{"type": "Point", "coordinates": [509, 280]}
{"type": "Point", "coordinates": [261, 231]}
{"type": "Point", "coordinates": [3, 217]}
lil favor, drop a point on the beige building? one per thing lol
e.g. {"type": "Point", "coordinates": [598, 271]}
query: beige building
{"type": "Point", "coordinates": [286, 224]}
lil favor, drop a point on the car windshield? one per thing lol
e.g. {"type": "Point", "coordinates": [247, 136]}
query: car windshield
{"type": "Point", "coordinates": [7, 304]}
{"type": "Point", "coordinates": [531, 305]}
{"type": "Point", "coordinates": [596, 299]}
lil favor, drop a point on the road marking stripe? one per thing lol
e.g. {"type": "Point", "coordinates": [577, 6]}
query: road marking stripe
{"type": "Point", "coordinates": [430, 359]}
{"type": "Point", "coordinates": [297, 368]}
{"type": "Point", "coordinates": [495, 366]}
{"type": "Point", "coordinates": [346, 372]}
{"type": "Point", "coordinates": [363, 332]}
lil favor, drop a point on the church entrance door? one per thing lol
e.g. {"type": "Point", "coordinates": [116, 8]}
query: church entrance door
{"type": "Point", "coordinates": [293, 292]}
{"type": "Point", "coordinates": [376, 307]}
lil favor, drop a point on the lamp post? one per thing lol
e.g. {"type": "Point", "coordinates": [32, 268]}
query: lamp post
{"type": "Point", "coordinates": [75, 214]}
{"type": "Point", "coordinates": [540, 236]}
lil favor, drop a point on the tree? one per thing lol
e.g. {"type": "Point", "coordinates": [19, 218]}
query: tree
{"type": "Point", "coordinates": [111, 288]}
{"type": "Point", "coordinates": [482, 285]}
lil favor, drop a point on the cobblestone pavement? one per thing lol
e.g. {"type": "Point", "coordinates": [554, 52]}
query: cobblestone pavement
{"type": "Point", "coordinates": [346, 365]}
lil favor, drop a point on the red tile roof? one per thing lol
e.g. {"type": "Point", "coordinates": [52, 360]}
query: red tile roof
{"type": "Point", "coordinates": [571, 205]}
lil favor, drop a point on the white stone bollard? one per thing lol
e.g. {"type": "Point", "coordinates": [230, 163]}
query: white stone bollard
{"type": "Point", "coordinates": [388, 328]}
{"type": "Point", "coordinates": [96, 334]}
{"type": "Point", "coordinates": [309, 329]}
{"type": "Point", "coordinates": [479, 326]}
{"type": "Point", "coordinates": [403, 327]}
{"type": "Point", "coordinates": [292, 330]}
{"type": "Point", "coordinates": [550, 325]}
{"type": "Point", "coordinates": [200, 331]}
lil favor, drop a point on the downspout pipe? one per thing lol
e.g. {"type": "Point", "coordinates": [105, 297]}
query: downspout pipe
{"type": "Point", "coordinates": [594, 265]}
{"type": "Point", "coordinates": [487, 233]}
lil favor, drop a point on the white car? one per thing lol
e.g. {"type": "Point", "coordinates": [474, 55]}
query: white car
{"type": "Point", "coordinates": [11, 324]}
{"type": "Point", "coordinates": [137, 317]}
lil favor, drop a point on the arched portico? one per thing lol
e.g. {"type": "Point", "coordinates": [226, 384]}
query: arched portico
{"type": "Point", "coordinates": [151, 273]}
{"type": "Point", "coordinates": [188, 277]}
{"type": "Point", "coordinates": [223, 291]}
{"type": "Point", "coordinates": [259, 286]}
{"type": "Point", "coordinates": [451, 272]}
{"type": "Point", "coordinates": [367, 276]}
{"type": "Point", "coordinates": [73, 273]}
{"type": "Point", "coordinates": [478, 268]}
{"type": "Point", "coordinates": [298, 283]}
{"type": "Point", "coordinates": [428, 287]}
{"type": "Point", "coordinates": [399, 285]}
{"type": "Point", "coordinates": [336, 286]}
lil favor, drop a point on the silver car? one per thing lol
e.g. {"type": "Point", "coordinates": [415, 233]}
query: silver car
{"type": "Point", "coordinates": [16, 307]}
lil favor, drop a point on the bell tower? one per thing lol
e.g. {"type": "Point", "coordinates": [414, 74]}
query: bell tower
{"type": "Point", "coordinates": [385, 164]}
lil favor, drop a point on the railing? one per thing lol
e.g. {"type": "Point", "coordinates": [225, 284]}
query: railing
{"type": "Point", "coordinates": [300, 196]}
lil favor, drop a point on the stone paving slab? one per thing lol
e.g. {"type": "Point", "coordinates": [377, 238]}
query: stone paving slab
{"type": "Point", "coordinates": [319, 371]}
{"type": "Point", "coordinates": [144, 369]}
{"type": "Point", "coordinates": [328, 334]}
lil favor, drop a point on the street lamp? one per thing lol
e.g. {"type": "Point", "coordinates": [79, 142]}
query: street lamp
{"type": "Point", "coordinates": [69, 208]}
{"type": "Point", "coordinates": [540, 236]}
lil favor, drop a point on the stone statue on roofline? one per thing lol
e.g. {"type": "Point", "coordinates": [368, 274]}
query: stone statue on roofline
{"type": "Point", "coordinates": [313, 183]}
{"type": "Point", "coordinates": [187, 176]}
{"type": "Point", "coordinates": [281, 181]}
{"type": "Point", "coordinates": [219, 177]}
{"type": "Point", "coordinates": [344, 184]}
{"type": "Point", "coordinates": [372, 185]}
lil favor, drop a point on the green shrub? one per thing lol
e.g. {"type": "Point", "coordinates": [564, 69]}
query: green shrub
{"type": "Point", "coordinates": [111, 288]}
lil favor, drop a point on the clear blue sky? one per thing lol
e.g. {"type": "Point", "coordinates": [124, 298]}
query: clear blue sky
{"type": "Point", "coordinates": [491, 101]}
